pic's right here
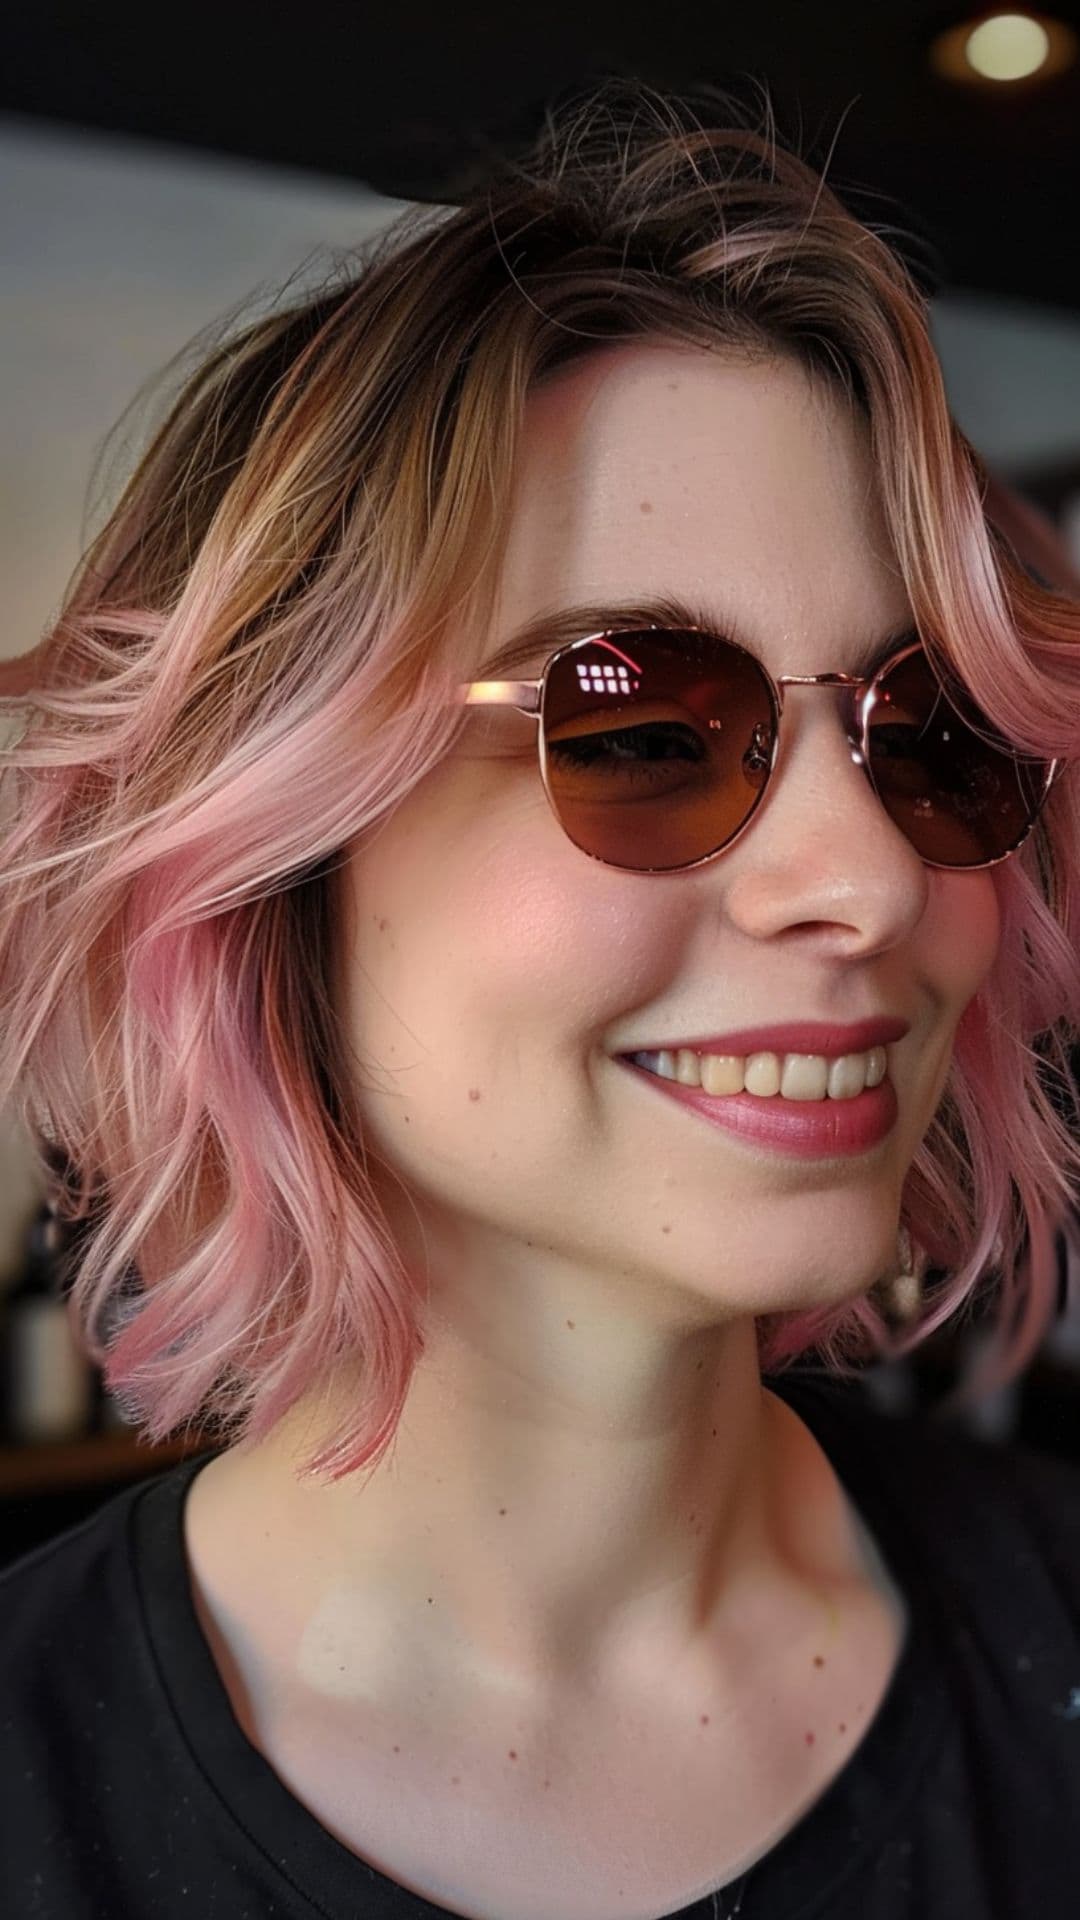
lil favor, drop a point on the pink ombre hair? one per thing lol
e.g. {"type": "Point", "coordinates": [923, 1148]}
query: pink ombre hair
{"type": "Point", "coordinates": [255, 663]}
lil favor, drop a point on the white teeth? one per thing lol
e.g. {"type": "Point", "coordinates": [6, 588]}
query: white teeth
{"type": "Point", "coordinates": [805, 1076]}
{"type": "Point", "coordinates": [877, 1066]}
{"type": "Point", "coordinates": [847, 1076]}
{"type": "Point", "coordinates": [721, 1072]}
{"type": "Point", "coordinates": [794, 1076]}
{"type": "Point", "coordinates": [761, 1073]}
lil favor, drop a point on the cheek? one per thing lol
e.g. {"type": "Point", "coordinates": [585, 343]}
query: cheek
{"type": "Point", "coordinates": [547, 950]}
{"type": "Point", "coordinates": [962, 934]}
{"type": "Point", "coordinates": [479, 944]}
{"type": "Point", "coordinates": [964, 929]}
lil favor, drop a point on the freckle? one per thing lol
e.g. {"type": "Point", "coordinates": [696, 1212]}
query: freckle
{"type": "Point", "coordinates": [502, 1509]}
{"type": "Point", "coordinates": [704, 1719]}
{"type": "Point", "coordinates": [397, 1749]}
{"type": "Point", "coordinates": [474, 1093]}
{"type": "Point", "coordinates": [513, 1755]}
{"type": "Point", "coordinates": [571, 1323]}
{"type": "Point", "coordinates": [383, 924]}
{"type": "Point", "coordinates": [714, 1433]}
{"type": "Point", "coordinates": [809, 1739]}
{"type": "Point", "coordinates": [455, 1779]}
{"type": "Point", "coordinates": [699, 1366]}
{"type": "Point", "coordinates": [547, 1783]}
{"type": "Point", "coordinates": [429, 1600]}
{"type": "Point", "coordinates": [843, 1726]}
{"type": "Point", "coordinates": [646, 506]}
{"type": "Point", "coordinates": [819, 1660]}
{"type": "Point", "coordinates": [665, 1229]}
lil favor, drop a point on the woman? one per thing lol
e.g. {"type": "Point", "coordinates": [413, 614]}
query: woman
{"type": "Point", "coordinates": [546, 857]}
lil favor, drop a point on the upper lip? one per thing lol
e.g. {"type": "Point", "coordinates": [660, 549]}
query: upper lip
{"type": "Point", "coordinates": [793, 1036]}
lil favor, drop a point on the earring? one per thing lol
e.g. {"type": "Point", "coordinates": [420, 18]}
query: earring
{"type": "Point", "coordinates": [900, 1295]}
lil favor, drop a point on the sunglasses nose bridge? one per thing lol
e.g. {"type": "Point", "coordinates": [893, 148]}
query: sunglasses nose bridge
{"type": "Point", "coordinates": [849, 687]}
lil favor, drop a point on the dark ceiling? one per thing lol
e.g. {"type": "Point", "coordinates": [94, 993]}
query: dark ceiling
{"type": "Point", "coordinates": [407, 98]}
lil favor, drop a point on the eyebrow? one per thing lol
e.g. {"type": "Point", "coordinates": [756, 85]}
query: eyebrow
{"type": "Point", "coordinates": [531, 643]}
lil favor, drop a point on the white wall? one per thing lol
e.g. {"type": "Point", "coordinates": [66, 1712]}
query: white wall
{"type": "Point", "coordinates": [114, 253]}
{"type": "Point", "coordinates": [1012, 372]}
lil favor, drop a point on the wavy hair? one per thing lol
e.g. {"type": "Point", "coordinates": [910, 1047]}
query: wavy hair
{"type": "Point", "coordinates": [254, 664]}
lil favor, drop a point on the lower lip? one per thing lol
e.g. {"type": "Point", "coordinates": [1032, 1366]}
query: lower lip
{"type": "Point", "coordinates": [803, 1129]}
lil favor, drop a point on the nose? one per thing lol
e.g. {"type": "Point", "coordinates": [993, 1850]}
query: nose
{"type": "Point", "coordinates": [821, 855]}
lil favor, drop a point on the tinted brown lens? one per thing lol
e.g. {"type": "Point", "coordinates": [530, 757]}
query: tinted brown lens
{"type": "Point", "coordinates": [657, 745]}
{"type": "Point", "coordinates": [944, 775]}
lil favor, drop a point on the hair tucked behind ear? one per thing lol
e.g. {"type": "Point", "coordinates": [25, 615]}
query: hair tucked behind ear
{"type": "Point", "coordinates": [252, 667]}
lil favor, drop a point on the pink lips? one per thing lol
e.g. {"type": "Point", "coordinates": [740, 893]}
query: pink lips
{"type": "Point", "coordinates": [802, 1129]}
{"type": "Point", "coordinates": [795, 1036]}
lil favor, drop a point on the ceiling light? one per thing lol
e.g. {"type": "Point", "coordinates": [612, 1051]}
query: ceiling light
{"type": "Point", "coordinates": [1008, 46]}
{"type": "Point", "coordinates": [1003, 48]}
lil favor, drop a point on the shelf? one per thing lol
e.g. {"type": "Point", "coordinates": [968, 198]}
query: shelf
{"type": "Point", "coordinates": [64, 1466]}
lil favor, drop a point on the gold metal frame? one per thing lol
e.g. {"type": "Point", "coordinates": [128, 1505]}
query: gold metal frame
{"type": "Point", "coordinates": [527, 697]}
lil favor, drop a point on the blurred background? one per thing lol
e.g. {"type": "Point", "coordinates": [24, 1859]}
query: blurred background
{"type": "Point", "coordinates": [154, 184]}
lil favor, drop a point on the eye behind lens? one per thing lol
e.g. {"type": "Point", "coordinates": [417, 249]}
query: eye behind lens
{"type": "Point", "coordinates": [946, 777]}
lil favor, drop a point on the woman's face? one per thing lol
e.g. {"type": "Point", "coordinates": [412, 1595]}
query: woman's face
{"type": "Point", "coordinates": [493, 971]}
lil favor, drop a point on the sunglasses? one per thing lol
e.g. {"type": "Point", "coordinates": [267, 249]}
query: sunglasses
{"type": "Point", "coordinates": [657, 747]}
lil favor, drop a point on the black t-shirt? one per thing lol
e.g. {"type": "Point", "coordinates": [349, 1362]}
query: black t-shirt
{"type": "Point", "coordinates": [129, 1792]}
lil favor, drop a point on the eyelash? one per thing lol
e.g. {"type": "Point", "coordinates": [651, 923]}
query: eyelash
{"type": "Point", "coordinates": [583, 752]}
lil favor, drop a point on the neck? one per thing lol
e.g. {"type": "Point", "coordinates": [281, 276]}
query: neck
{"type": "Point", "coordinates": [538, 1519]}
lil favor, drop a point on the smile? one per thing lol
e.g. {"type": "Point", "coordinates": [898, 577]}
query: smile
{"type": "Point", "coordinates": [806, 1127]}
{"type": "Point", "coordinates": [791, 1076]}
